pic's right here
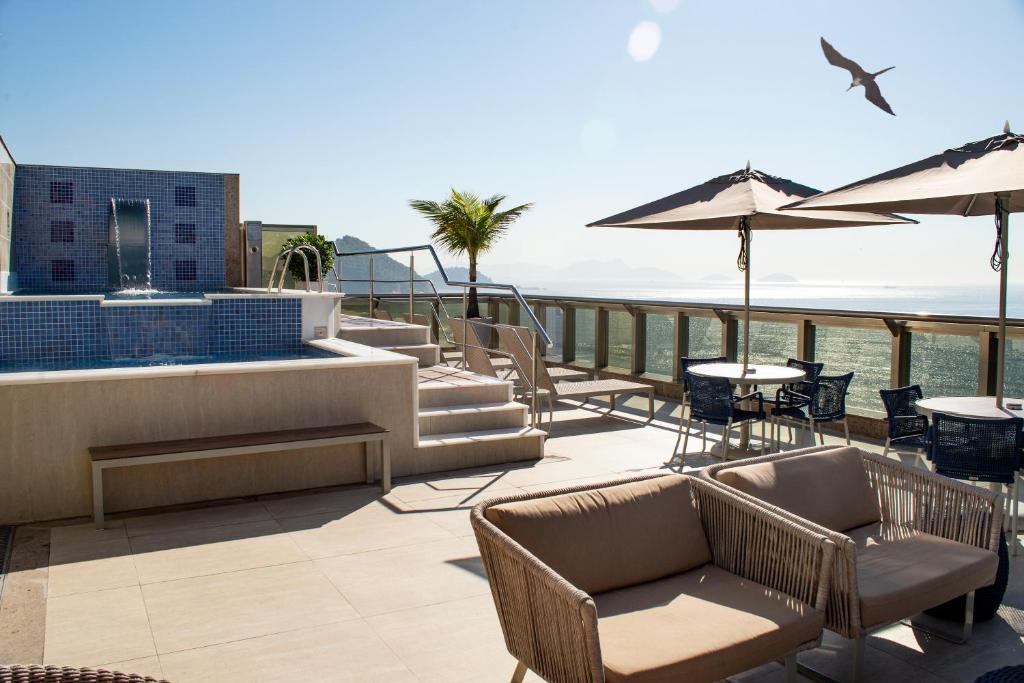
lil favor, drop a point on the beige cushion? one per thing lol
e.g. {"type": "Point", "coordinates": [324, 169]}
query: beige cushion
{"type": "Point", "coordinates": [703, 625]}
{"type": "Point", "coordinates": [901, 572]}
{"type": "Point", "coordinates": [829, 488]}
{"type": "Point", "coordinates": [611, 537]}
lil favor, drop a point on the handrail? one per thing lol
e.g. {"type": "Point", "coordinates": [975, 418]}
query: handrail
{"type": "Point", "coordinates": [287, 253]}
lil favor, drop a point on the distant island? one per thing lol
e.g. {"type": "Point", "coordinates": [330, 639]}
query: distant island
{"type": "Point", "coordinates": [778, 277]}
{"type": "Point", "coordinates": [716, 277]}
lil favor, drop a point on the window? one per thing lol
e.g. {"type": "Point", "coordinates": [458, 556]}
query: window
{"type": "Point", "coordinates": [185, 270]}
{"type": "Point", "coordinates": [62, 231]}
{"type": "Point", "coordinates": [62, 192]}
{"type": "Point", "coordinates": [185, 233]}
{"type": "Point", "coordinates": [62, 270]}
{"type": "Point", "coordinates": [185, 195]}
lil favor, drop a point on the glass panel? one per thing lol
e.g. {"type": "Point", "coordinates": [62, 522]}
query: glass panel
{"type": "Point", "coordinates": [1013, 380]}
{"type": "Point", "coordinates": [659, 344]}
{"type": "Point", "coordinates": [867, 353]}
{"type": "Point", "coordinates": [620, 339]}
{"type": "Point", "coordinates": [944, 364]}
{"type": "Point", "coordinates": [705, 337]}
{"type": "Point", "coordinates": [553, 324]}
{"type": "Point", "coordinates": [770, 343]}
{"type": "Point", "coordinates": [585, 337]}
{"type": "Point", "coordinates": [273, 241]}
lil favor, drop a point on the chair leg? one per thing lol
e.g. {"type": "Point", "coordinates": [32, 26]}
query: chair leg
{"type": "Point", "coordinates": [888, 443]}
{"type": "Point", "coordinates": [858, 659]}
{"type": "Point", "coordinates": [519, 674]}
{"type": "Point", "coordinates": [611, 403]}
{"type": "Point", "coordinates": [790, 666]}
{"type": "Point", "coordinates": [763, 442]}
{"type": "Point", "coordinates": [686, 439]}
{"type": "Point", "coordinates": [650, 406]}
{"type": "Point", "coordinates": [704, 437]}
{"type": "Point", "coordinates": [846, 428]}
{"type": "Point", "coordinates": [725, 441]}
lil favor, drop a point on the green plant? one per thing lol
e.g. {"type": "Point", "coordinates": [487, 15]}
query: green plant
{"type": "Point", "coordinates": [466, 224]}
{"type": "Point", "coordinates": [318, 242]}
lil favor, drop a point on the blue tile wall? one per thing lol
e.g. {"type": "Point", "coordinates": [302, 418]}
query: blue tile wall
{"type": "Point", "coordinates": [85, 194]}
{"type": "Point", "coordinates": [68, 331]}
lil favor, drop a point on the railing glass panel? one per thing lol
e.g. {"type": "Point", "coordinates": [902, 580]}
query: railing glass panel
{"type": "Point", "coordinates": [770, 343]}
{"type": "Point", "coordinates": [867, 353]}
{"type": "Point", "coordinates": [620, 339]}
{"type": "Point", "coordinates": [659, 336]}
{"type": "Point", "coordinates": [944, 364]}
{"type": "Point", "coordinates": [585, 318]}
{"type": "Point", "coordinates": [552, 322]}
{"type": "Point", "coordinates": [1014, 372]}
{"type": "Point", "coordinates": [705, 336]}
{"type": "Point", "coordinates": [454, 308]}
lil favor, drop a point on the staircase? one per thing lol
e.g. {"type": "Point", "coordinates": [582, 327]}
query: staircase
{"type": "Point", "coordinates": [403, 338]}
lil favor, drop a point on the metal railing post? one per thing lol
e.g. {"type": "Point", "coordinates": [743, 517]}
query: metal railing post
{"type": "Point", "coordinates": [638, 354]}
{"type": "Point", "coordinates": [730, 338]}
{"type": "Point", "coordinates": [371, 287]}
{"type": "Point", "coordinates": [899, 369]}
{"type": "Point", "coordinates": [412, 286]}
{"type": "Point", "coordinates": [465, 323]}
{"type": "Point", "coordinates": [536, 377]}
{"type": "Point", "coordinates": [600, 338]}
{"type": "Point", "coordinates": [988, 350]}
{"type": "Point", "coordinates": [568, 334]}
{"type": "Point", "coordinates": [680, 343]}
{"type": "Point", "coordinates": [805, 332]}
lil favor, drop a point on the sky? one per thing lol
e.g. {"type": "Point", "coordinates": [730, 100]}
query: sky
{"type": "Point", "coordinates": [338, 113]}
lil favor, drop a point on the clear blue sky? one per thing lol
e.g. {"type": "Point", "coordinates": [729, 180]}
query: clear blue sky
{"type": "Point", "coordinates": [336, 113]}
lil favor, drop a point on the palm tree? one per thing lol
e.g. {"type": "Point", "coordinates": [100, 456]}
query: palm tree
{"type": "Point", "coordinates": [466, 224]}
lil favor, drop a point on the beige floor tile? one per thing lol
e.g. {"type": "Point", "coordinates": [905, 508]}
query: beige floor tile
{"type": "Point", "coordinates": [81, 566]}
{"type": "Point", "coordinates": [212, 550]}
{"type": "Point", "coordinates": [334, 534]}
{"type": "Point", "coordinates": [410, 576]}
{"type": "Point", "coordinates": [207, 610]}
{"type": "Point", "coordinates": [471, 487]}
{"type": "Point", "coordinates": [346, 652]}
{"type": "Point", "coordinates": [146, 666]}
{"type": "Point", "coordinates": [319, 502]}
{"type": "Point", "coordinates": [451, 514]}
{"type": "Point", "coordinates": [85, 533]}
{"type": "Point", "coordinates": [207, 516]}
{"type": "Point", "coordinates": [448, 643]}
{"type": "Point", "coordinates": [87, 629]}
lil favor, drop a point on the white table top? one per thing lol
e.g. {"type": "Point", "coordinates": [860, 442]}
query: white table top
{"type": "Point", "coordinates": [762, 374]}
{"type": "Point", "coordinates": [968, 406]}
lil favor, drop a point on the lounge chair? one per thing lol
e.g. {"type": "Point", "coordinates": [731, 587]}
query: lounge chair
{"type": "Point", "coordinates": [481, 362]}
{"type": "Point", "coordinates": [655, 578]}
{"type": "Point", "coordinates": [517, 340]}
{"type": "Point", "coordinates": [905, 539]}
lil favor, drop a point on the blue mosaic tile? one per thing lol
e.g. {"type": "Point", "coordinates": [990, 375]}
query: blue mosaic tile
{"type": "Point", "coordinates": [252, 325]}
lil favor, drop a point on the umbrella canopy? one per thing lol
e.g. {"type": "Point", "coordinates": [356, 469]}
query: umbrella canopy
{"type": "Point", "coordinates": [743, 201]}
{"type": "Point", "coordinates": [976, 179]}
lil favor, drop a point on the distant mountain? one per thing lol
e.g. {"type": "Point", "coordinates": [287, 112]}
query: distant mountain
{"type": "Point", "coordinates": [778, 277]}
{"type": "Point", "coordinates": [355, 270]}
{"type": "Point", "coordinates": [454, 273]}
{"type": "Point", "coordinates": [593, 271]}
{"type": "Point", "coordinates": [716, 277]}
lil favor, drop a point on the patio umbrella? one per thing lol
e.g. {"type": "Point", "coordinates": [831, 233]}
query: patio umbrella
{"type": "Point", "coordinates": [977, 179]}
{"type": "Point", "coordinates": [743, 201]}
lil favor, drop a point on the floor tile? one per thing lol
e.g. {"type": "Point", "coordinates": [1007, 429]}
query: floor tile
{"type": "Point", "coordinates": [87, 629]}
{"type": "Point", "coordinates": [334, 534]}
{"type": "Point", "coordinates": [146, 666]}
{"type": "Point", "coordinates": [319, 502]}
{"type": "Point", "coordinates": [81, 567]}
{"type": "Point", "coordinates": [206, 516]}
{"type": "Point", "coordinates": [207, 610]}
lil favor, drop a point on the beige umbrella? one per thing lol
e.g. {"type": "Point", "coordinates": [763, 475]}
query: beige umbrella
{"type": "Point", "coordinates": [982, 178]}
{"type": "Point", "coordinates": [743, 201]}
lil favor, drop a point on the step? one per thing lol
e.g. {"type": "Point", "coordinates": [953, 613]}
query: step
{"type": "Point", "coordinates": [489, 390]}
{"type": "Point", "coordinates": [382, 333]}
{"type": "Point", "coordinates": [428, 354]}
{"type": "Point", "coordinates": [457, 450]}
{"type": "Point", "coordinates": [475, 417]}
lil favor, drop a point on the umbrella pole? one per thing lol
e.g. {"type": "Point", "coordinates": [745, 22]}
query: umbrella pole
{"type": "Point", "coordinates": [744, 263]}
{"type": "Point", "coordinates": [1004, 255]}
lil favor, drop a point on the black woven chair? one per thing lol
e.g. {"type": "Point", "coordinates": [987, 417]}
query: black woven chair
{"type": "Point", "coordinates": [712, 402]}
{"type": "Point", "coordinates": [907, 429]}
{"type": "Point", "coordinates": [980, 450]}
{"type": "Point", "coordinates": [826, 403]}
{"type": "Point", "coordinates": [685, 363]}
{"type": "Point", "coordinates": [797, 394]}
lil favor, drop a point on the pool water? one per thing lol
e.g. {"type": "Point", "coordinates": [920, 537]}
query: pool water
{"type": "Point", "coordinates": [43, 365]}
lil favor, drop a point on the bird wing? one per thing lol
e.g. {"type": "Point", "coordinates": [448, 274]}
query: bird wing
{"type": "Point", "coordinates": [874, 96]}
{"type": "Point", "coordinates": [836, 59]}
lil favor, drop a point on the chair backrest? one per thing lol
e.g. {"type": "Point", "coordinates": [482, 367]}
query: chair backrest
{"type": "Point", "coordinates": [686, 362]}
{"type": "Point", "coordinates": [518, 341]}
{"type": "Point", "coordinates": [811, 370]}
{"type": "Point", "coordinates": [477, 359]}
{"type": "Point", "coordinates": [828, 396]}
{"type": "Point", "coordinates": [977, 449]}
{"type": "Point", "coordinates": [710, 398]}
{"type": "Point", "coordinates": [899, 403]}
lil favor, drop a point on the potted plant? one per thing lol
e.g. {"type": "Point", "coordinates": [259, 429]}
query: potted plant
{"type": "Point", "coordinates": [323, 246]}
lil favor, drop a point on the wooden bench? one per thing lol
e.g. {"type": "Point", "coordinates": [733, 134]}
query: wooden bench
{"type": "Point", "coordinates": [129, 455]}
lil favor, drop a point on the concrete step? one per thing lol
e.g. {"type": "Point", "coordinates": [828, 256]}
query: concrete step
{"type": "Point", "coordinates": [486, 447]}
{"type": "Point", "coordinates": [382, 333]}
{"type": "Point", "coordinates": [485, 390]}
{"type": "Point", "coordinates": [475, 417]}
{"type": "Point", "coordinates": [428, 354]}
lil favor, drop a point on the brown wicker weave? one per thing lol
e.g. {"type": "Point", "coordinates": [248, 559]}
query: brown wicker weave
{"type": "Point", "coordinates": [67, 674]}
{"type": "Point", "coordinates": [909, 497]}
{"type": "Point", "coordinates": [550, 626]}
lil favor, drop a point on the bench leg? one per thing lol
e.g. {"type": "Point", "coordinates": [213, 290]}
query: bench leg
{"type": "Point", "coordinates": [97, 495]}
{"type": "Point", "coordinates": [385, 465]}
{"type": "Point", "coordinates": [369, 462]}
{"type": "Point", "coordinates": [650, 406]}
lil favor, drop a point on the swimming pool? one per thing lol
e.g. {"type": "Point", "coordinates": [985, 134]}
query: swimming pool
{"type": "Point", "coordinates": [305, 352]}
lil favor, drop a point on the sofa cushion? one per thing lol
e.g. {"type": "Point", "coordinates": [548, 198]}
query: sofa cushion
{"type": "Point", "coordinates": [611, 537]}
{"type": "Point", "coordinates": [702, 625]}
{"type": "Point", "coordinates": [829, 488]}
{"type": "Point", "coordinates": [901, 572]}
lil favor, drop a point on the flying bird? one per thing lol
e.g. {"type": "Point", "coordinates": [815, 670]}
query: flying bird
{"type": "Point", "coordinates": [860, 76]}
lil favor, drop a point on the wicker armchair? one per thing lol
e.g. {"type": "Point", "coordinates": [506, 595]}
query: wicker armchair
{"type": "Point", "coordinates": [65, 674]}
{"type": "Point", "coordinates": [928, 519]}
{"type": "Point", "coordinates": [825, 403]}
{"type": "Point", "coordinates": [905, 427]}
{"type": "Point", "coordinates": [586, 584]}
{"type": "Point", "coordinates": [712, 402]}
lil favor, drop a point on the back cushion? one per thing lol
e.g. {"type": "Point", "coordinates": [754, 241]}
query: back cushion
{"type": "Point", "coordinates": [829, 488]}
{"type": "Point", "coordinates": [611, 537]}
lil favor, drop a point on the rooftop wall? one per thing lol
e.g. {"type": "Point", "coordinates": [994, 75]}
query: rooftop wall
{"type": "Point", "coordinates": [6, 215]}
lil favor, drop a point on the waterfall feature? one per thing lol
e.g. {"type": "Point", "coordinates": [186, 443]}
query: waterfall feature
{"type": "Point", "coordinates": [128, 254]}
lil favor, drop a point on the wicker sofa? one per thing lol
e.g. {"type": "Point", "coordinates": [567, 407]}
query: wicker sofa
{"type": "Point", "coordinates": [650, 579]}
{"type": "Point", "coordinates": [905, 539]}
{"type": "Point", "coordinates": [66, 674]}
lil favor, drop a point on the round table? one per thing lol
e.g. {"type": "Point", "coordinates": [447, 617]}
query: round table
{"type": "Point", "coordinates": [756, 374]}
{"type": "Point", "coordinates": [968, 406]}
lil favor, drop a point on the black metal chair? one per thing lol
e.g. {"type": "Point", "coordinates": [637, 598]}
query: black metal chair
{"type": "Point", "coordinates": [685, 363]}
{"type": "Point", "coordinates": [826, 403]}
{"type": "Point", "coordinates": [797, 394]}
{"type": "Point", "coordinates": [906, 429]}
{"type": "Point", "coordinates": [983, 450]}
{"type": "Point", "coordinates": [712, 401]}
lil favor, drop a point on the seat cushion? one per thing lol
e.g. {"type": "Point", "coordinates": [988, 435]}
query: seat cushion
{"type": "Point", "coordinates": [828, 487]}
{"type": "Point", "coordinates": [703, 625]}
{"type": "Point", "coordinates": [901, 572]}
{"type": "Point", "coordinates": [611, 537]}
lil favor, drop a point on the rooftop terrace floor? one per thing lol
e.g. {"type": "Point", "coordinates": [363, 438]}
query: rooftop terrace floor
{"type": "Point", "coordinates": [342, 585]}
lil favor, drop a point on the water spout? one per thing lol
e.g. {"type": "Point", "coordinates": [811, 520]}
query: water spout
{"type": "Point", "coordinates": [128, 251]}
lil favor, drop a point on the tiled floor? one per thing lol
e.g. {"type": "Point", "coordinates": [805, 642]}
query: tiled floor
{"type": "Point", "coordinates": [342, 585]}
